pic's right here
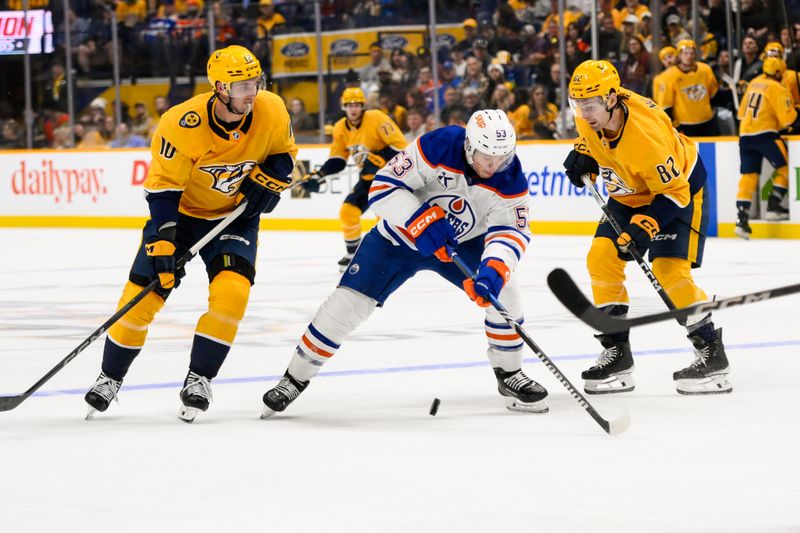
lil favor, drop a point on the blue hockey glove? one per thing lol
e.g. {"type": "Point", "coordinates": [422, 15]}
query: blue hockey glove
{"type": "Point", "coordinates": [432, 232]}
{"type": "Point", "coordinates": [490, 280]}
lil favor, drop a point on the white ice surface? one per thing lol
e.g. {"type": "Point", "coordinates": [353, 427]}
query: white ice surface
{"type": "Point", "coordinates": [358, 451]}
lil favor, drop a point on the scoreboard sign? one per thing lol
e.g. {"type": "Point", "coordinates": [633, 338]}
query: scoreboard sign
{"type": "Point", "coordinates": [13, 27]}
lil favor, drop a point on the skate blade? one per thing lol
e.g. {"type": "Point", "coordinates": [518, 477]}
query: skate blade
{"type": "Point", "coordinates": [267, 413]}
{"type": "Point", "coordinates": [739, 232]}
{"type": "Point", "coordinates": [718, 384]}
{"type": "Point", "coordinates": [611, 385]}
{"type": "Point", "coordinates": [775, 217]}
{"type": "Point", "coordinates": [90, 413]}
{"type": "Point", "coordinates": [516, 406]}
{"type": "Point", "coordinates": [188, 414]}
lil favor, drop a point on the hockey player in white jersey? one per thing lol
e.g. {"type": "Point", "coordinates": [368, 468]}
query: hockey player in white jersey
{"type": "Point", "coordinates": [452, 189]}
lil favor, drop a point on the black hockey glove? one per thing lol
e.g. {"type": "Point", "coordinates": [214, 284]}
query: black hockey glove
{"type": "Point", "coordinates": [638, 233]}
{"type": "Point", "coordinates": [161, 251]}
{"type": "Point", "coordinates": [262, 190]}
{"type": "Point", "coordinates": [578, 164]}
{"type": "Point", "coordinates": [311, 182]}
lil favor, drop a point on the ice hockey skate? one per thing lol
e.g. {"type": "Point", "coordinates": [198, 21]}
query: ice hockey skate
{"type": "Point", "coordinates": [101, 394]}
{"type": "Point", "coordinates": [278, 398]}
{"type": "Point", "coordinates": [743, 228]}
{"type": "Point", "coordinates": [613, 370]}
{"type": "Point", "coordinates": [520, 392]}
{"type": "Point", "coordinates": [195, 395]}
{"type": "Point", "coordinates": [344, 262]}
{"type": "Point", "coordinates": [775, 210]}
{"type": "Point", "coordinates": [708, 373]}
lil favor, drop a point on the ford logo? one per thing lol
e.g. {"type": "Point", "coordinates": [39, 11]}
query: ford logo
{"type": "Point", "coordinates": [393, 41]}
{"type": "Point", "coordinates": [444, 40]}
{"type": "Point", "coordinates": [343, 47]}
{"type": "Point", "coordinates": [295, 50]}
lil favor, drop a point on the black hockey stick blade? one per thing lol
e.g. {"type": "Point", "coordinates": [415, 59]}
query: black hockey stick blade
{"type": "Point", "coordinates": [568, 293]}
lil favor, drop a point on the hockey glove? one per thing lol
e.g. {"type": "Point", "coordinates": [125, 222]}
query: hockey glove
{"type": "Point", "coordinates": [311, 182]}
{"type": "Point", "coordinates": [161, 251]}
{"type": "Point", "coordinates": [578, 164]}
{"type": "Point", "coordinates": [641, 230]}
{"type": "Point", "coordinates": [490, 280]}
{"type": "Point", "coordinates": [263, 191]}
{"type": "Point", "coordinates": [432, 232]}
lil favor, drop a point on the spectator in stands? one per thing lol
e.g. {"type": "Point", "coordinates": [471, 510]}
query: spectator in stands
{"type": "Point", "coordinates": [142, 123]}
{"type": "Point", "coordinates": [108, 128]}
{"type": "Point", "coordinates": [124, 138]}
{"type": "Point", "coordinates": [97, 111]}
{"type": "Point", "coordinates": [633, 7]}
{"type": "Point", "coordinates": [474, 77]}
{"type": "Point", "coordinates": [500, 98]}
{"type": "Point", "coordinates": [757, 19]}
{"type": "Point", "coordinates": [457, 116]}
{"type": "Point", "coordinates": [369, 74]}
{"type": "Point", "coordinates": [676, 31]}
{"type": "Point", "coordinates": [450, 100]}
{"type": "Point", "coordinates": [301, 120]}
{"type": "Point", "coordinates": [609, 38]}
{"type": "Point", "coordinates": [431, 123]}
{"type": "Point", "coordinates": [708, 45]}
{"type": "Point", "coordinates": [496, 78]}
{"type": "Point", "coordinates": [635, 72]}
{"type": "Point", "coordinates": [54, 96]}
{"type": "Point", "coordinates": [458, 58]}
{"type": "Point", "coordinates": [425, 86]}
{"type": "Point", "coordinates": [11, 139]}
{"type": "Point", "coordinates": [395, 111]}
{"type": "Point", "coordinates": [91, 139]}
{"type": "Point", "coordinates": [470, 26]}
{"type": "Point", "coordinates": [629, 25]}
{"type": "Point", "coordinates": [645, 30]}
{"type": "Point", "coordinates": [552, 84]}
{"type": "Point", "coordinates": [748, 66]}
{"type": "Point", "coordinates": [543, 114]}
{"type": "Point", "coordinates": [162, 105]}
{"type": "Point", "coordinates": [402, 69]}
{"type": "Point", "coordinates": [471, 100]}
{"type": "Point", "coordinates": [386, 83]}
{"type": "Point", "coordinates": [574, 57]}
{"type": "Point", "coordinates": [269, 20]}
{"type": "Point", "coordinates": [416, 123]}
{"type": "Point", "coordinates": [480, 51]}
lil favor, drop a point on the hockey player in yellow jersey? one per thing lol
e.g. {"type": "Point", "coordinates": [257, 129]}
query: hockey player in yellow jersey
{"type": "Point", "coordinates": [689, 88]}
{"type": "Point", "coordinates": [656, 183]}
{"type": "Point", "coordinates": [208, 154]}
{"type": "Point", "coordinates": [766, 110]}
{"type": "Point", "coordinates": [790, 78]}
{"type": "Point", "coordinates": [372, 139]}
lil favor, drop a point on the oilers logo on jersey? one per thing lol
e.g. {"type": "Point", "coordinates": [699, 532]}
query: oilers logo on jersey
{"type": "Point", "coordinates": [227, 177]}
{"type": "Point", "coordinates": [615, 185]}
{"type": "Point", "coordinates": [460, 213]}
{"type": "Point", "coordinates": [695, 93]}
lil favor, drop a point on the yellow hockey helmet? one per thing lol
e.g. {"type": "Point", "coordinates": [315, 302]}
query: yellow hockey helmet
{"type": "Point", "coordinates": [774, 66]}
{"type": "Point", "coordinates": [353, 95]}
{"type": "Point", "coordinates": [231, 64]}
{"type": "Point", "coordinates": [773, 49]}
{"type": "Point", "coordinates": [594, 78]}
{"type": "Point", "coordinates": [665, 51]}
{"type": "Point", "coordinates": [686, 43]}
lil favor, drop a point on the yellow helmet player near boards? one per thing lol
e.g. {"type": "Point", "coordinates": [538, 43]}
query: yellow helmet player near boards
{"type": "Point", "coordinates": [656, 185]}
{"type": "Point", "coordinates": [371, 138]}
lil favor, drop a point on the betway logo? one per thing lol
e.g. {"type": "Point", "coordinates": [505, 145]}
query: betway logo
{"type": "Point", "coordinates": [64, 184]}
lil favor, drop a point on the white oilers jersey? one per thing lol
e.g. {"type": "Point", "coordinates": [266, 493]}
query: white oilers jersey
{"type": "Point", "coordinates": [433, 169]}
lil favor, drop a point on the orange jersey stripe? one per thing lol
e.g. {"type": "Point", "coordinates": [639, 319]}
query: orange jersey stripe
{"type": "Point", "coordinates": [495, 336]}
{"type": "Point", "coordinates": [509, 236]}
{"type": "Point", "coordinates": [311, 346]}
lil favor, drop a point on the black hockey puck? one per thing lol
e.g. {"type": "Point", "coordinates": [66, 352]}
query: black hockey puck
{"type": "Point", "coordinates": [435, 406]}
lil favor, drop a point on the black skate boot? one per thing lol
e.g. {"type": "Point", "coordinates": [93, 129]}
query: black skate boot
{"type": "Point", "coordinates": [521, 393]}
{"type": "Point", "coordinates": [100, 395]}
{"type": "Point", "coordinates": [195, 395]}
{"type": "Point", "coordinates": [284, 393]}
{"type": "Point", "coordinates": [775, 210]}
{"type": "Point", "coordinates": [742, 228]}
{"type": "Point", "coordinates": [708, 374]}
{"type": "Point", "coordinates": [344, 262]}
{"type": "Point", "coordinates": [613, 370]}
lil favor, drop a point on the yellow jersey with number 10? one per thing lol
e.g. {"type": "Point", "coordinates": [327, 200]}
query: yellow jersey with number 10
{"type": "Point", "coordinates": [647, 157]}
{"type": "Point", "coordinates": [193, 154]}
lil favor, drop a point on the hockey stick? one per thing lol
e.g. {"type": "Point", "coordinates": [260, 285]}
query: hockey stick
{"type": "Point", "coordinates": [568, 293]}
{"type": "Point", "coordinates": [651, 277]}
{"type": "Point", "coordinates": [8, 403]}
{"type": "Point", "coordinates": [612, 427]}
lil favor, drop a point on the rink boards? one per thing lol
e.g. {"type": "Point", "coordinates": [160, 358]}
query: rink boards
{"type": "Point", "coordinates": [104, 189]}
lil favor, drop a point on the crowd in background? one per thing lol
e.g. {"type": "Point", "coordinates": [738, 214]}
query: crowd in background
{"type": "Point", "coordinates": [508, 59]}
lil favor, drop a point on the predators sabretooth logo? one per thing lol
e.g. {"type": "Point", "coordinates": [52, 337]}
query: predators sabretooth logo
{"type": "Point", "coordinates": [696, 92]}
{"type": "Point", "coordinates": [226, 178]}
{"type": "Point", "coordinates": [615, 185]}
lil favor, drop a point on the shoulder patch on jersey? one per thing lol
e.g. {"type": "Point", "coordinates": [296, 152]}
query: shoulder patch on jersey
{"type": "Point", "coordinates": [189, 120]}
